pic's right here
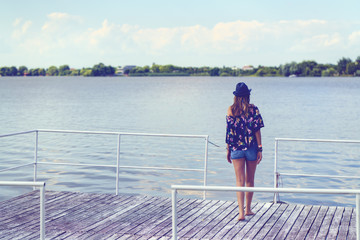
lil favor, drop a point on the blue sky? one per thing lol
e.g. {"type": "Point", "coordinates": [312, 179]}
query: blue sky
{"type": "Point", "coordinates": [184, 33]}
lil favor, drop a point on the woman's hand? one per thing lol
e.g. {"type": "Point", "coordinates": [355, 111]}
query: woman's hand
{"type": "Point", "coordinates": [228, 156]}
{"type": "Point", "coordinates": [259, 157]}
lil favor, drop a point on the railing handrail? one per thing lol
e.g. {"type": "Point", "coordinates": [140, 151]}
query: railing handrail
{"type": "Point", "coordinates": [117, 166]}
{"type": "Point", "coordinates": [317, 140]}
{"type": "Point", "coordinates": [265, 189]}
{"type": "Point", "coordinates": [22, 183]}
{"type": "Point", "coordinates": [18, 133]}
{"type": "Point", "coordinates": [106, 133]}
{"type": "Point", "coordinates": [175, 188]}
{"type": "Point", "coordinates": [318, 175]}
{"type": "Point", "coordinates": [41, 185]}
{"type": "Point", "coordinates": [123, 133]}
{"type": "Point", "coordinates": [277, 173]}
{"type": "Point", "coordinates": [114, 166]}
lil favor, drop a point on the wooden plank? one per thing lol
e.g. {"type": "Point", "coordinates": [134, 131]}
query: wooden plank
{"type": "Point", "coordinates": [260, 222]}
{"type": "Point", "coordinates": [197, 220]}
{"type": "Point", "coordinates": [152, 221]}
{"type": "Point", "coordinates": [18, 201]}
{"type": "Point", "coordinates": [34, 223]}
{"type": "Point", "coordinates": [233, 226]}
{"type": "Point", "coordinates": [24, 235]}
{"type": "Point", "coordinates": [206, 218]}
{"type": "Point", "coordinates": [345, 223]}
{"type": "Point", "coordinates": [298, 223]}
{"type": "Point", "coordinates": [155, 223]}
{"type": "Point", "coordinates": [223, 226]}
{"type": "Point", "coordinates": [315, 227]}
{"type": "Point", "coordinates": [61, 217]}
{"type": "Point", "coordinates": [352, 227]}
{"type": "Point", "coordinates": [184, 215]}
{"type": "Point", "coordinates": [36, 235]}
{"type": "Point", "coordinates": [212, 224]}
{"type": "Point", "coordinates": [23, 217]}
{"type": "Point", "coordinates": [164, 226]}
{"type": "Point", "coordinates": [189, 221]}
{"type": "Point", "coordinates": [55, 225]}
{"type": "Point", "coordinates": [105, 216]}
{"type": "Point", "coordinates": [142, 218]}
{"type": "Point", "coordinates": [305, 228]}
{"type": "Point", "coordinates": [130, 208]}
{"type": "Point", "coordinates": [271, 222]}
{"type": "Point", "coordinates": [335, 223]}
{"type": "Point", "coordinates": [164, 208]}
{"type": "Point", "coordinates": [286, 228]}
{"type": "Point", "coordinates": [28, 203]}
{"type": "Point", "coordinates": [150, 237]}
{"type": "Point", "coordinates": [76, 210]}
{"type": "Point", "coordinates": [123, 237]}
{"type": "Point", "coordinates": [280, 223]}
{"type": "Point", "coordinates": [324, 228]}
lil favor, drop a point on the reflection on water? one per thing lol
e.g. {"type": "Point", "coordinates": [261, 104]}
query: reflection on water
{"type": "Point", "coordinates": [325, 108]}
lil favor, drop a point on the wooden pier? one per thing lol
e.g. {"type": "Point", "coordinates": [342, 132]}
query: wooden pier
{"type": "Point", "coordinates": [72, 215]}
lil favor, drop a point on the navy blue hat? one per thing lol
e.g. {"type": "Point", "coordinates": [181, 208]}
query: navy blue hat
{"type": "Point", "coordinates": [242, 90]}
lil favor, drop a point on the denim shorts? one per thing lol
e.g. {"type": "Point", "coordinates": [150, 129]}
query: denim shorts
{"type": "Point", "coordinates": [249, 154]}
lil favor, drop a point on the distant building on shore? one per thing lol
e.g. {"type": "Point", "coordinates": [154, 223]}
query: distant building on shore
{"type": "Point", "coordinates": [247, 68]}
{"type": "Point", "coordinates": [120, 71]}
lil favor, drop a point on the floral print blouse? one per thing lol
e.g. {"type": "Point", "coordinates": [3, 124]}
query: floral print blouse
{"type": "Point", "coordinates": [240, 131]}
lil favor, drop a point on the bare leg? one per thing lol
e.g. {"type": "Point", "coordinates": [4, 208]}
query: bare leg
{"type": "Point", "coordinates": [250, 176]}
{"type": "Point", "coordinates": [239, 166]}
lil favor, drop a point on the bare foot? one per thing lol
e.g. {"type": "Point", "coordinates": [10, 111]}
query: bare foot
{"type": "Point", "coordinates": [241, 217]}
{"type": "Point", "coordinates": [249, 213]}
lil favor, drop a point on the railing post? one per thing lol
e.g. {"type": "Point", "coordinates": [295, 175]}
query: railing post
{"type": "Point", "coordinates": [42, 212]}
{"type": "Point", "coordinates": [174, 213]}
{"type": "Point", "coordinates": [205, 163]}
{"type": "Point", "coordinates": [358, 216]}
{"type": "Point", "coordinates": [118, 165]}
{"type": "Point", "coordinates": [36, 154]}
{"type": "Point", "coordinates": [276, 183]}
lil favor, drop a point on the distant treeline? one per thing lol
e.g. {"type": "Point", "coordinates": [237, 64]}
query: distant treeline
{"type": "Point", "coordinates": [64, 70]}
{"type": "Point", "coordinates": [344, 67]}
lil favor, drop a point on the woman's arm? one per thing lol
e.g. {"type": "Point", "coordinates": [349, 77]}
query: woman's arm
{"type": "Point", "coordinates": [228, 155]}
{"type": "Point", "coordinates": [258, 140]}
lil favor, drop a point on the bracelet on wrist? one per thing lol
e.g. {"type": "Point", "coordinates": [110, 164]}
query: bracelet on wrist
{"type": "Point", "coordinates": [260, 149]}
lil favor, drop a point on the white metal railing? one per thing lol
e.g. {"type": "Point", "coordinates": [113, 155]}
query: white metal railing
{"type": "Point", "coordinates": [277, 173]}
{"type": "Point", "coordinates": [175, 188]}
{"type": "Point", "coordinates": [40, 185]}
{"type": "Point", "coordinates": [117, 166]}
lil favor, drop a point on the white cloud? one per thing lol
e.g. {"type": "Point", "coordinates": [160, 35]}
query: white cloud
{"type": "Point", "coordinates": [26, 26]}
{"type": "Point", "coordinates": [20, 29]}
{"type": "Point", "coordinates": [193, 35]}
{"type": "Point", "coordinates": [101, 33]}
{"type": "Point", "coordinates": [17, 22]}
{"type": "Point", "coordinates": [319, 42]}
{"type": "Point", "coordinates": [60, 22]}
{"type": "Point", "coordinates": [154, 41]}
{"type": "Point", "coordinates": [354, 38]}
{"type": "Point", "coordinates": [310, 23]}
{"type": "Point", "coordinates": [64, 34]}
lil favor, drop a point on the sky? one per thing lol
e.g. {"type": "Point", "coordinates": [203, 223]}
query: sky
{"type": "Point", "coordinates": [42, 33]}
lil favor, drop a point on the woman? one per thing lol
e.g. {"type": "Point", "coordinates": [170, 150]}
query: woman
{"type": "Point", "coordinates": [243, 138]}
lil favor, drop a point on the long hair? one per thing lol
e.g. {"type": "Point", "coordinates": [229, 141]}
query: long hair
{"type": "Point", "coordinates": [240, 106]}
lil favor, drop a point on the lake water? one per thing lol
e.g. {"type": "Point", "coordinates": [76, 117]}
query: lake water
{"type": "Point", "coordinates": [321, 108]}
